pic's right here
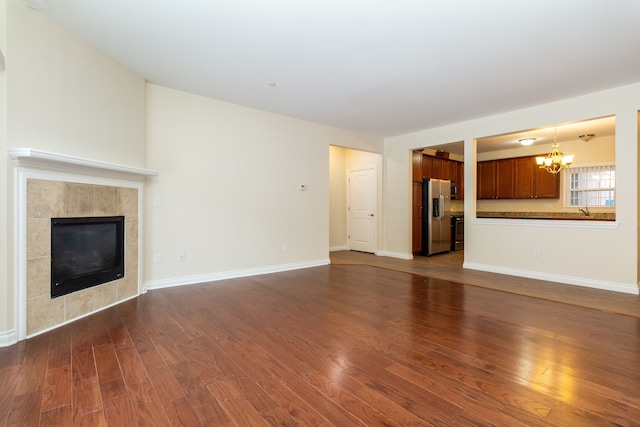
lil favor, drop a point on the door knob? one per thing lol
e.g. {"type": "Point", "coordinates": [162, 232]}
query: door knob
{"type": "Point", "coordinates": [370, 214]}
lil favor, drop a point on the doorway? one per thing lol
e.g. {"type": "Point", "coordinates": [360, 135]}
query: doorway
{"type": "Point", "coordinates": [362, 215]}
{"type": "Point", "coordinates": [341, 162]}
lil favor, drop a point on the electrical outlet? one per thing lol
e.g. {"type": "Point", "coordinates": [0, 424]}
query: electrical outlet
{"type": "Point", "coordinates": [536, 252]}
{"type": "Point", "coordinates": [156, 258]}
{"type": "Point", "coordinates": [285, 247]}
{"type": "Point", "coordinates": [181, 257]}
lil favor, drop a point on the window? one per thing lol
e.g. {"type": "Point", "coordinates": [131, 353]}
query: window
{"type": "Point", "coordinates": [590, 185]}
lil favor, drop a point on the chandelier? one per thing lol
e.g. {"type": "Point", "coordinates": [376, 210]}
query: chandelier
{"type": "Point", "coordinates": [555, 161]}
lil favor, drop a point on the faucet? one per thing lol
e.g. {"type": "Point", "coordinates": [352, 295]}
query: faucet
{"type": "Point", "coordinates": [585, 211]}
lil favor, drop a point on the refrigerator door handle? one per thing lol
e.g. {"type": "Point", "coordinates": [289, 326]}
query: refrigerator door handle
{"type": "Point", "coordinates": [441, 207]}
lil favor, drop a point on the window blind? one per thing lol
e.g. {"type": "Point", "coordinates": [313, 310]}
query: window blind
{"type": "Point", "coordinates": [590, 185]}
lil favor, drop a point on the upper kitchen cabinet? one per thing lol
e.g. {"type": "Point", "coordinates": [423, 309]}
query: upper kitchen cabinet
{"type": "Point", "coordinates": [460, 180]}
{"type": "Point", "coordinates": [427, 167]}
{"type": "Point", "coordinates": [495, 179]}
{"type": "Point", "coordinates": [449, 170]}
{"type": "Point", "coordinates": [547, 186]}
{"type": "Point", "coordinates": [436, 171]}
{"type": "Point", "coordinates": [531, 182]}
{"type": "Point", "coordinates": [516, 178]}
{"type": "Point", "coordinates": [416, 166]}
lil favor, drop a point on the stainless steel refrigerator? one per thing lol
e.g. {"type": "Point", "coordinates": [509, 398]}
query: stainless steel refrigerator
{"type": "Point", "coordinates": [436, 216]}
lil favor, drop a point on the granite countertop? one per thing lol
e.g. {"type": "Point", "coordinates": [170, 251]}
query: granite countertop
{"type": "Point", "coordinates": [593, 216]}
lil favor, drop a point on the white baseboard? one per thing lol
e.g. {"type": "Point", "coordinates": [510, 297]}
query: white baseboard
{"type": "Point", "coordinates": [400, 255]}
{"type": "Point", "coordinates": [569, 280]}
{"type": "Point", "coordinates": [234, 274]}
{"type": "Point", "coordinates": [338, 248]}
{"type": "Point", "coordinates": [8, 338]}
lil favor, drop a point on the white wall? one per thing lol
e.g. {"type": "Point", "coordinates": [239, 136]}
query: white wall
{"type": "Point", "coordinates": [638, 207]}
{"type": "Point", "coordinates": [228, 188]}
{"type": "Point", "coordinates": [588, 255]}
{"type": "Point", "coordinates": [6, 304]}
{"type": "Point", "coordinates": [62, 95]}
{"type": "Point", "coordinates": [66, 96]}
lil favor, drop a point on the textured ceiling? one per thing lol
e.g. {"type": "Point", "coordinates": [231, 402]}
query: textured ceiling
{"type": "Point", "coordinates": [378, 67]}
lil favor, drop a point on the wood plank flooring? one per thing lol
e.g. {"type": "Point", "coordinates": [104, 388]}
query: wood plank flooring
{"type": "Point", "coordinates": [448, 266]}
{"type": "Point", "coordinates": [339, 345]}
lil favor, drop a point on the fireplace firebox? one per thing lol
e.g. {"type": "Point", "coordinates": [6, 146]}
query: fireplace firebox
{"type": "Point", "coordinates": [85, 252]}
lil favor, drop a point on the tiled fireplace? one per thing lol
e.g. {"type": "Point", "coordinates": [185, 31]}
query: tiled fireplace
{"type": "Point", "coordinates": [57, 199]}
{"type": "Point", "coordinates": [51, 185]}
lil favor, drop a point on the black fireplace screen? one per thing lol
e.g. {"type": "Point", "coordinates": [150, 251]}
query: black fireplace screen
{"type": "Point", "coordinates": [85, 252]}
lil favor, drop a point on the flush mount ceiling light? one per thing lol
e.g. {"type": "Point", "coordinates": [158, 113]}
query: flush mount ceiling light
{"type": "Point", "coordinates": [586, 137]}
{"type": "Point", "coordinates": [526, 141]}
{"type": "Point", "coordinates": [41, 5]}
{"type": "Point", "coordinates": [555, 161]}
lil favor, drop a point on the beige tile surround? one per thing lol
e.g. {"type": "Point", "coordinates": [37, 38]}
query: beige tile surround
{"type": "Point", "coordinates": [56, 199]}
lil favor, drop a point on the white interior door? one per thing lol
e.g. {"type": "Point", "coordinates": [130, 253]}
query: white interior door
{"type": "Point", "coordinates": [361, 209]}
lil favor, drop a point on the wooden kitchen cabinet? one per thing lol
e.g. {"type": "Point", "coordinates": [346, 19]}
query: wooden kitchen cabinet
{"type": "Point", "coordinates": [486, 180]}
{"type": "Point", "coordinates": [547, 186]}
{"type": "Point", "coordinates": [524, 187]}
{"type": "Point", "coordinates": [495, 179]}
{"type": "Point", "coordinates": [449, 170]}
{"type": "Point", "coordinates": [427, 167]}
{"type": "Point", "coordinates": [436, 171]}
{"type": "Point", "coordinates": [531, 182]}
{"type": "Point", "coordinates": [439, 168]}
{"type": "Point", "coordinates": [416, 218]}
{"type": "Point", "coordinates": [460, 180]}
{"type": "Point", "coordinates": [416, 166]}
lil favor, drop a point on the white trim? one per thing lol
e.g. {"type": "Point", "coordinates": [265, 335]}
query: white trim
{"type": "Point", "coordinates": [8, 338]}
{"type": "Point", "coordinates": [578, 223]}
{"type": "Point", "coordinates": [569, 280]}
{"type": "Point", "coordinates": [20, 251]}
{"type": "Point", "coordinates": [338, 248]}
{"type": "Point", "coordinates": [234, 274]}
{"type": "Point", "coordinates": [589, 165]}
{"type": "Point", "coordinates": [40, 159]}
{"type": "Point", "coordinates": [400, 255]}
{"type": "Point", "coordinates": [20, 227]}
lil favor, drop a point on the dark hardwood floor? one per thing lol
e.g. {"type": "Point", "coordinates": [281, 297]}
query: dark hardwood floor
{"type": "Point", "coordinates": [341, 345]}
{"type": "Point", "coordinates": [448, 266]}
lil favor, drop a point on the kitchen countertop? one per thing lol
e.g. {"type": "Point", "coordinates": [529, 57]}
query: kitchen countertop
{"type": "Point", "coordinates": [593, 216]}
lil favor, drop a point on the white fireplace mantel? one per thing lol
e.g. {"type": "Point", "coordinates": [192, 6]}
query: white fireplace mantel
{"type": "Point", "coordinates": [34, 158]}
{"type": "Point", "coordinates": [34, 163]}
